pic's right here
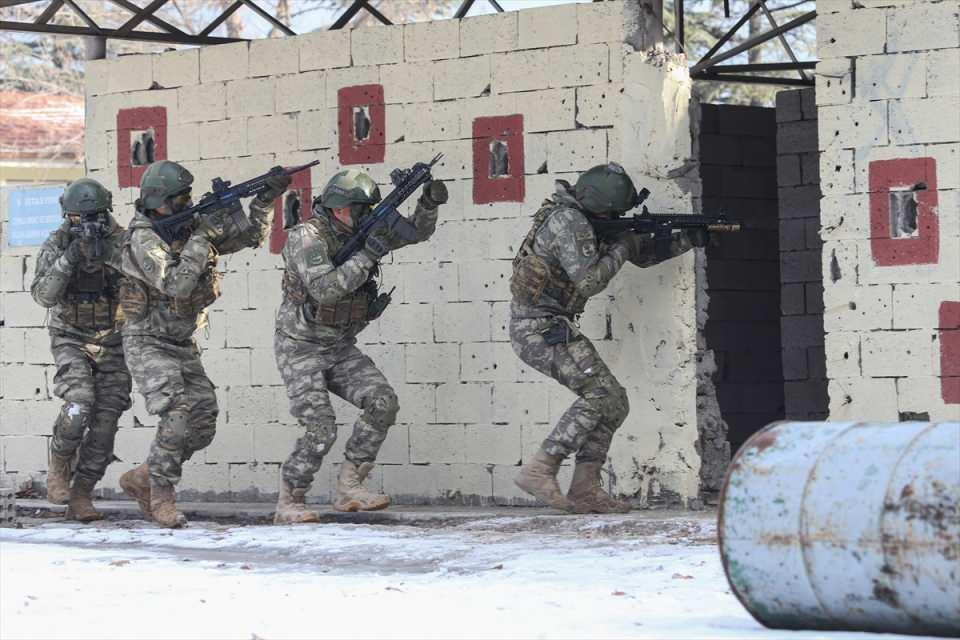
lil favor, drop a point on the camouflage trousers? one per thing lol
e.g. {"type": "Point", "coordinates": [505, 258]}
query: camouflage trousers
{"type": "Point", "coordinates": [93, 382]}
{"type": "Point", "coordinates": [587, 427]}
{"type": "Point", "coordinates": [310, 372]}
{"type": "Point", "coordinates": [172, 380]}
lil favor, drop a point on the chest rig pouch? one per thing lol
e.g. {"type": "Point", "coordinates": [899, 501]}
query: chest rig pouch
{"type": "Point", "coordinates": [91, 298]}
{"type": "Point", "coordinates": [535, 278]}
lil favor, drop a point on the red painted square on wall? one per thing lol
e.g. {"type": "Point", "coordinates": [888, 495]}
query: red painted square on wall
{"type": "Point", "coordinates": [498, 171]}
{"type": "Point", "coordinates": [950, 351]}
{"type": "Point", "coordinates": [904, 227]}
{"type": "Point", "coordinates": [291, 208]}
{"type": "Point", "coordinates": [141, 141]}
{"type": "Point", "coordinates": [361, 124]}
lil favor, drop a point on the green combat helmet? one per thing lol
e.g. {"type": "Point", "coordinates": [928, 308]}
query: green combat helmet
{"type": "Point", "coordinates": [606, 190]}
{"type": "Point", "coordinates": [84, 197]}
{"type": "Point", "coordinates": [351, 188]}
{"type": "Point", "coordinates": [163, 180]}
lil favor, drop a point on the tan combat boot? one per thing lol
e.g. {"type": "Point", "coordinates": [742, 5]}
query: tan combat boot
{"type": "Point", "coordinates": [351, 496]}
{"type": "Point", "coordinates": [163, 506]}
{"type": "Point", "coordinates": [292, 506]}
{"type": "Point", "coordinates": [59, 470]}
{"type": "Point", "coordinates": [587, 496]}
{"type": "Point", "coordinates": [80, 507]}
{"type": "Point", "coordinates": [136, 484]}
{"type": "Point", "coordinates": [538, 477]}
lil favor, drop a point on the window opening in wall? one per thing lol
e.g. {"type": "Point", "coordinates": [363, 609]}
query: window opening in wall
{"type": "Point", "coordinates": [142, 147]}
{"type": "Point", "coordinates": [499, 159]}
{"type": "Point", "coordinates": [903, 212]}
{"type": "Point", "coordinates": [361, 123]}
{"type": "Point", "coordinates": [291, 209]}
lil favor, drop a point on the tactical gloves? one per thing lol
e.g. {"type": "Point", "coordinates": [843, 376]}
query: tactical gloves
{"type": "Point", "coordinates": [276, 185]}
{"type": "Point", "coordinates": [377, 244]}
{"type": "Point", "coordinates": [434, 194]}
{"type": "Point", "coordinates": [639, 246]}
{"type": "Point", "coordinates": [206, 229]}
{"type": "Point", "coordinates": [74, 252]}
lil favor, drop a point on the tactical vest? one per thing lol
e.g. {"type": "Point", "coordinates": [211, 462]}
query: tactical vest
{"type": "Point", "coordinates": [348, 312]}
{"type": "Point", "coordinates": [137, 297]}
{"type": "Point", "coordinates": [91, 299]}
{"type": "Point", "coordinates": [535, 277]}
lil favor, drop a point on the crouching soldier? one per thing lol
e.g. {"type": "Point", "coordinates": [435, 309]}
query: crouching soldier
{"type": "Point", "coordinates": [558, 267]}
{"type": "Point", "coordinates": [324, 308]}
{"type": "Point", "coordinates": [77, 279]}
{"type": "Point", "coordinates": [164, 297]}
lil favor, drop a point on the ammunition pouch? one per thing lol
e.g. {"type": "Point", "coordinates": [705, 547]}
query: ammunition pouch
{"type": "Point", "coordinates": [91, 299]}
{"type": "Point", "coordinates": [136, 298]}
{"type": "Point", "coordinates": [535, 279]}
{"type": "Point", "coordinates": [357, 308]}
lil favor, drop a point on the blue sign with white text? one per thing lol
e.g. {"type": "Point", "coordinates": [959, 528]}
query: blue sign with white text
{"type": "Point", "coordinates": [32, 212]}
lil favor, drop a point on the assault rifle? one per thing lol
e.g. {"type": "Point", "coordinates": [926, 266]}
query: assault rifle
{"type": "Point", "coordinates": [405, 182]}
{"type": "Point", "coordinates": [223, 196]}
{"type": "Point", "coordinates": [660, 225]}
{"type": "Point", "coordinates": [90, 231]}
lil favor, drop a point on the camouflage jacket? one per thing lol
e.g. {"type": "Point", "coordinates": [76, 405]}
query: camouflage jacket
{"type": "Point", "coordinates": [168, 286]}
{"type": "Point", "coordinates": [307, 258]}
{"type": "Point", "coordinates": [82, 298]}
{"type": "Point", "coordinates": [578, 266]}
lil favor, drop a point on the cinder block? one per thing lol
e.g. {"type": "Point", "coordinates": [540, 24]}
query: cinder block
{"type": "Point", "coordinates": [130, 73]}
{"type": "Point", "coordinates": [464, 402]}
{"type": "Point", "coordinates": [884, 77]}
{"type": "Point", "coordinates": [101, 151]}
{"type": "Point", "coordinates": [251, 405]}
{"type": "Point", "coordinates": [418, 403]}
{"type": "Point", "coordinates": [249, 328]}
{"type": "Point", "coordinates": [863, 308]}
{"type": "Point", "coordinates": [461, 78]}
{"type": "Point", "coordinates": [493, 361]}
{"type": "Point", "coordinates": [488, 281]}
{"type": "Point", "coordinates": [20, 310]}
{"type": "Point", "coordinates": [797, 137]}
{"type": "Point", "coordinates": [25, 454]}
{"type": "Point", "coordinates": [896, 353]}
{"type": "Point", "coordinates": [274, 56]}
{"type": "Point", "coordinates": [493, 444]}
{"type": "Point", "coordinates": [834, 80]}
{"type": "Point", "coordinates": [228, 368]}
{"type": "Point", "coordinates": [301, 92]}
{"type": "Point", "coordinates": [433, 40]}
{"type": "Point", "coordinates": [851, 34]}
{"type": "Point", "coordinates": [520, 403]}
{"type": "Point", "coordinates": [802, 331]}
{"type": "Point", "coordinates": [224, 62]}
{"type": "Point", "coordinates": [922, 26]}
{"type": "Point", "coordinates": [349, 77]}
{"type": "Point", "coordinates": [551, 110]}
{"type": "Point", "coordinates": [489, 34]}
{"type": "Point", "coordinates": [813, 292]}
{"type": "Point", "coordinates": [599, 105]}
{"type": "Point", "coordinates": [432, 121]}
{"type": "Point", "coordinates": [251, 97]}
{"type": "Point", "coordinates": [547, 27]}
{"type": "Point", "coordinates": [133, 444]}
{"type": "Point", "coordinates": [205, 482]}
{"type": "Point", "coordinates": [183, 142]}
{"type": "Point", "coordinates": [396, 447]}
{"type": "Point", "coordinates": [177, 68]}
{"type": "Point", "coordinates": [407, 82]}
{"type": "Point", "coordinates": [223, 138]}
{"type": "Point", "coordinates": [788, 170]}
{"type": "Point", "coordinates": [810, 168]}
{"type": "Point", "coordinates": [377, 45]}
{"type": "Point", "coordinates": [792, 299]}
{"type": "Point", "coordinates": [924, 120]}
{"type": "Point", "coordinates": [579, 65]}
{"type": "Point", "coordinates": [853, 126]}
{"type": "Point", "coordinates": [863, 399]}
{"type": "Point", "coordinates": [947, 157]}
{"type": "Point", "coordinates": [916, 306]}
{"type": "Point", "coordinates": [844, 217]}
{"type": "Point", "coordinates": [408, 323]}
{"type": "Point", "coordinates": [437, 444]}
{"type": "Point", "coordinates": [576, 150]}
{"type": "Point", "coordinates": [495, 105]}
{"type": "Point", "coordinates": [431, 282]}
{"type": "Point", "coordinates": [432, 362]}
{"type": "Point", "coordinates": [28, 417]}
{"type": "Point", "coordinates": [12, 345]}
{"type": "Point", "coordinates": [923, 394]}
{"type": "Point", "coordinates": [203, 104]}
{"type": "Point", "coordinates": [462, 322]}
{"type": "Point", "coordinates": [521, 70]}
{"type": "Point", "coordinates": [12, 270]}
{"type": "Point", "coordinates": [462, 241]}
{"type": "Point", "coordinates": [788, 107]}
{"type": "Point", "coordinates": [272, 134]}
{"type": "Point", "coordinates": [263, 368]}
{"type": "Point", "coordinates": [794, 363]}
{"type": "Point", "coordinates": [325, 49]}
{"type": "Point", "coordinates": [316, 129]}
{"type": "Point", "coordinates": [800, 266]}
{"type": "Point", "coordinates": [942, 79]}
{"type": "Point", "coordinates": [842, 349]}
{"type": "Point", "coordinates": [600, 22]}
{"type": "Point", "coordinates": [96, 74]}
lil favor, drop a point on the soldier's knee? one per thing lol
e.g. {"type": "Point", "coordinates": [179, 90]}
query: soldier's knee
{"type": "Point", "coordinates": [380, 407]}
{"type": "Point", "coordinates": [200, 436]}
{"type": "Point", "coordinates": [73, 420]}
{"type": "Point", "coordinates": [610, 399]}
{"type": "Point", "coordinates": [172, 430]}
{"type": "Point", "coordinates": [318, 439]}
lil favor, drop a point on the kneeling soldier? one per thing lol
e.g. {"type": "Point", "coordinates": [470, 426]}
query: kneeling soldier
{"type": "Point", "coordinates": [558, 267]}
{"type": "Point", "coordinates": [76, 277]}
{"type": "Point", "coordinates": [324, 308]}
{"type": "Point", "coordinates": [164, 298]}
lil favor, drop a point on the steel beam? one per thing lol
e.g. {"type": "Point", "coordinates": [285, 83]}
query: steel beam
{"type": "Point", "coordinates": [762, 66]}
{"type": "Point", "coordinates": [753, 42]}
{"type": "Point", "coordinates": [729, 34]}
{"type": "Point", "coordinates": [376, 14]}
{"type": "Point", "coordinates": [141, 15]}
{"type": "Point", "coordinates": [148, 36]}
{"type": "Point", "coordinates": [269, 18]}
{"type": "Point", "coordinates": [210, 28]}
{"type": "Point", "coordinates": [82, 15]}
{"type": "Point", "coordinates": [49, 12]}
{"type": "Point", "coordinates": [783, 39]}
{"type": "Point", "coordinates": [724, 77]}
{"type": "Point", "coordinates": [347, 15]}
{"type": "Point", "coordinates": [463, 9]}
{"type": "Point", "coordinates": [157, 22]}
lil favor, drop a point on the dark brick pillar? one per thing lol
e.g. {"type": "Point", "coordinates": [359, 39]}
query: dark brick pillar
{"type": "Point", "coordinates": [801, 327]}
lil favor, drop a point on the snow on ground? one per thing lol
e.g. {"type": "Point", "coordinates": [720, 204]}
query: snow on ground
{"type": "Point", "coordinates": [495, 578]}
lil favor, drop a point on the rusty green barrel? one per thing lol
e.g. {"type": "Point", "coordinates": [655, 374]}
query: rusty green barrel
{"type": "Point", "coordinates": [846, 526]}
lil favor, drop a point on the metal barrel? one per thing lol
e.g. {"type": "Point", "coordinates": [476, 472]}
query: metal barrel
{"type": "Point", "coordinates": [846, 526]}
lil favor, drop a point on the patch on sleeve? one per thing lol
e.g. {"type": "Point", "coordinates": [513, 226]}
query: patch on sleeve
{"type": "Point", "coordinates": [588, 246]}
{"type": "Point", "coordinates": [315, 255]}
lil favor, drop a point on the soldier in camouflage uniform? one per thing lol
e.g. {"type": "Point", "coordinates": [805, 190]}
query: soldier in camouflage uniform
{"type": "Point", "coordinates": [79, 283]}
{"type": "Point", "coordinates": [558, 267]}
{"type": "Point", "coordinates": [164, 298]}
{"type": "Point", "coordinates": [324, 308]}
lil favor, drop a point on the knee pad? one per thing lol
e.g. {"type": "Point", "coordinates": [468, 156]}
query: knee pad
{"type": "Point", "coordinates": [200, 435]}
{"type": "Point", "coordinates": [172, 431]}
{"type": "Point", "coordinates": [610, 399]}
{"type": "Point", "coordinates": [73, 421]}
{"type": "Point", "coordinates": [318, 439]}
{"type": "Point", "coordinates": [380, 408]}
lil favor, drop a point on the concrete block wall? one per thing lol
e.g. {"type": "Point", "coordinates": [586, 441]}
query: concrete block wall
{"type": "Point", "coordinates": [801, 280]}
{"type": "Point", "coordinates": [470, 411]}
{"type": "Point", "coordinates": [888, 97]}
{"type": "Point", "coordinates": [738, 169]}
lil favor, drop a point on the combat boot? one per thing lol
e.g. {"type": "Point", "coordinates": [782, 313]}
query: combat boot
{"type": "Point", "coordinates": [292, 506]}
{"type": "Point", "coordinates": [351, 495]}
{"type": "Point", "coordinates": [163, 506]}
{"type": "Point", "coordinates": [59, 470]}
{"type": "Point", "coordinates": [538, 477]}
{"type": "Point", "coordinates": [587, 496]}
{"type": "Point", "coordinates": [80, 507]}
{"type": "Point", "coordinates": [136, 484]}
